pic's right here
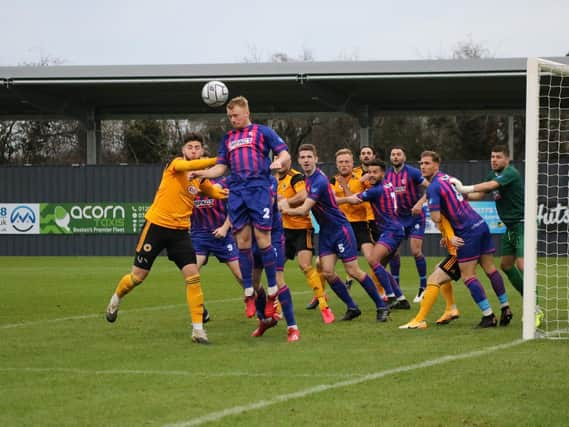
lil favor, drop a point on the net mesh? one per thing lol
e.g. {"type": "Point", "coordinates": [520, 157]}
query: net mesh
{"type": "Point", "coordinates": [552, 284]}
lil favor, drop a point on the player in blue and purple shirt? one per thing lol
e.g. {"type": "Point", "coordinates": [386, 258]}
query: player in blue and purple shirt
{"type": "Point", "coordinates": [266, 312]}
{"type": "Point", "coordinates": [246, 151]}
{"type": "Point", "coordinates": [383, 200]}
{"type": "Point", "coordinates": [472, 238]}
{"type": "Point", "coordinates": [210, 228]}
{"type": "Point", "coordinates": [409, 185]}
{"type": "Point", "coordinates": [336, 238]}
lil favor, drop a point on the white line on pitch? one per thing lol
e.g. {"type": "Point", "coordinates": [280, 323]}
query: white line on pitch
{"type": "Point", "coordinates": [169, 373]}
{"type": "Point", "coordinates": [134, 310]}
{"type": "Point", "coordinates": [236, 410]}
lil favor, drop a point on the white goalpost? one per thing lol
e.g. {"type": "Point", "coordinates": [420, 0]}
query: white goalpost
{"type": "Point", "coordinates": [546, 225]}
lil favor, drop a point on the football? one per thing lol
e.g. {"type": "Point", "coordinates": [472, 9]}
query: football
{"type": "Point", "coordinates": [215, 93]}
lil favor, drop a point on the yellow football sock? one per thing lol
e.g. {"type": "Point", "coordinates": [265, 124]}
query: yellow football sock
{"type": "Point", "coordinates": [429, 299]}
{"type": "Point", "coordinates": [194, 297]}
{"type": "Point", "coordinates": [127, 284]}
{"type": "Point", "coordinates": [377, 284]}
{"type": "Point", "coordinates": [315, 282]}
{"type": "Point", "coordinates": [448, 294]}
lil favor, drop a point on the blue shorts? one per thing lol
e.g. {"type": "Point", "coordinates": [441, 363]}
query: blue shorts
{"type": "Point", "coordinates": [414, 226]}
{"type": "Point", "coordinates": [224, 250]}
{"type": "Point", "coordinates": [278, 243]}
{"type": "Point", "coordinates": [250, 206]}
{"type": "Point", "coordinates": [477, 242]}
{"type": "Point", "coordinates": [391, 238]}
{"type": "Point", "coordinates": [340, 241]}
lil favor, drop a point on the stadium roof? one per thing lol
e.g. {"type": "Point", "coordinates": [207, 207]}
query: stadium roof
{"type": "Point", "coordinates": [281, 88]}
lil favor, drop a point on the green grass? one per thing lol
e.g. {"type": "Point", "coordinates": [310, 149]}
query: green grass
{"type": "Point", "coordinates": [62, 364]}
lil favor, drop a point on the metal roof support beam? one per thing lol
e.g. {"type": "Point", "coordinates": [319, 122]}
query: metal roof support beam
{"type": "Point", "coordinates": [364, 119]}
{"type": "Point", "coordinates": [91, 137]}
{"type": "Point", "coordinates": [511, 136]}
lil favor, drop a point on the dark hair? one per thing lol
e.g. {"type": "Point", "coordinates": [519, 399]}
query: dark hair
{"type": "Point", "coordinates": [377, 162]}
{"type": "Point", "coordinates": [308, 147]}
{"type": "Point", "coordinates": [432, 154]}
{"type": "Point", "coordinates": [373, 150]}
{"type": "Point", "coordinates": [193, 136]}
{"type": "Point", "coordinates": [398, 147]}
{"type": "Point", "coordinates": [501, 149]}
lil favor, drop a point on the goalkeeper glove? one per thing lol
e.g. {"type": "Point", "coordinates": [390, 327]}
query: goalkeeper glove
{"type": "Point", "coordinates": [465, 189]}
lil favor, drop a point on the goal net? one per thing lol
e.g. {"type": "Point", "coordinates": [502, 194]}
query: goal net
{"type": "Point", "coordinates": [546, 228]}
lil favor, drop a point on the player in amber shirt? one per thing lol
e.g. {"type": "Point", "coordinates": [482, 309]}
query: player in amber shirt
{"type": "Point", "coordinates": [166, 227]}
{"type": "Point", "coordinates": [367, 154]}
{"type": "Point", "coordinates": [299, 235]}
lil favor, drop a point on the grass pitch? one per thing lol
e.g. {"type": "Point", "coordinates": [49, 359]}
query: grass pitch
{"type": "Point", "coordinates": [62, 364]}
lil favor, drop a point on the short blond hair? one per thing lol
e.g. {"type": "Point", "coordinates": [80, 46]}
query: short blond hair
{"type": "Point", "coordinates": [239, 101]}
{"type": "Point", "coordinates": [344, 151]}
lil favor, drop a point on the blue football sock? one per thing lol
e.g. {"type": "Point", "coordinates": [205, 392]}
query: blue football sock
{"type": "Point", "coordinates": [384, 278]}
{"type": "Point", "coordinates": [270, 265]}
{"type": "Point", "coordinates": [498, 286]}
{"type": "Point", "coordinates": [421, 264]}
{"type": "Point", "coordinates": [340, 289]}
{"type": "Point", "coordinates": [371, 290]}
{"type": "Point", "coordinates": [395, 267]}
{"type": "Point", "coordinates": [246, 267]}
{"type": "Point", "coordinates": [285, 298]}
{"type": "Point", "coordinates": [477, 293]}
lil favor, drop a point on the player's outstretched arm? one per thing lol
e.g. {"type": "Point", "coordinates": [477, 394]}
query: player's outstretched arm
{"type": "Point", "coordinates": [212, 172]}
{"type": "Point", "coordinates": [181, 165]}
{"type": "Point", "coordinates": [213, 190]}
{"type": "Point", "coordinates": [475, 191]}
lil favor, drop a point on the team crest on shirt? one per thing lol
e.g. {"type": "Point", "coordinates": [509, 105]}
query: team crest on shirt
{"type": "Point", "coordinates": [403, 181]}
{"type": "Point", "coordinates": [193, 190]}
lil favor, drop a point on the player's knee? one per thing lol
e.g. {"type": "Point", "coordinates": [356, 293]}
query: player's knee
{"type": "Point", "coordinates": [355, 271]}
{"type": "Point", "coordinates": [304, 266]}
{"type": "Point", "coordinates": [139, 274]}
{"type": "Point", "coordinates": [328, 274]}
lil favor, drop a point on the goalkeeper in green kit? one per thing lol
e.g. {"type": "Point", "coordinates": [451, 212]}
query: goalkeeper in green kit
{"type": "Point", "coordinates": [505, 183]}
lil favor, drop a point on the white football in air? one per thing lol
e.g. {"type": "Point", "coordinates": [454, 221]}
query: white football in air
{"type": "Point", "coordinates": [215, 93]}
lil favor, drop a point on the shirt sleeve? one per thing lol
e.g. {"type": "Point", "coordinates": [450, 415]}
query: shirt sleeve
{"type": "Point", "coordinates": [434, 196]}
{"type": "Point", "coordinates": [275, 142]}
{"type": "Point", "coordinates": [370, 194]}
{"type": "Point", "coordinates": [317, 187]}
{"type": "Point", "coordinates": [297, 183]}
{"type": "Point", "coordinates": [212, 190]}
{"type": "Point", "coordinates": [506, 177]}
{"type": "Point", "coordinates": [222, 153]}
{"type": "Point", "coordinates": [417, 176]}
{"type": "Point", "coordinates": [181, 165]}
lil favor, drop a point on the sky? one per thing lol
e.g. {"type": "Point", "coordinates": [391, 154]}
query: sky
{"type": "Point", "coordinates": [117, 32]}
